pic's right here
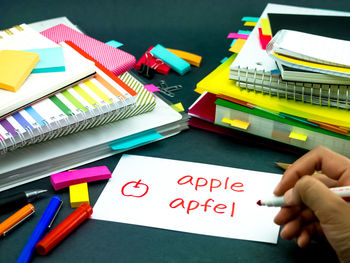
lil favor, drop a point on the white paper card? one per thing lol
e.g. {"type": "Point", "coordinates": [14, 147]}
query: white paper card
{"type": "Point", "coordinates": [190, 197]}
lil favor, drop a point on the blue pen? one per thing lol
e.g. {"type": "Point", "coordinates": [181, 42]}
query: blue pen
{"type": "Point", "coordinates": [39, 231]}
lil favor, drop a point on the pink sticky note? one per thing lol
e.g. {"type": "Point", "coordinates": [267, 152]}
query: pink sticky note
{"type": "Point", "coordinates": [238, 36]}
{"type": "Point", "coordinates": [65, 179]}
{"type": "Point", "coordinates": [151, 88]}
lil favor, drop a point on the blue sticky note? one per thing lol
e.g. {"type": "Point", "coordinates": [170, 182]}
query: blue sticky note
{"type": "Point", "coordinates": [135, 141]}
{"type": "Point", "coordinates": [169, 58]}
{"type": "Point", "coordinates": [114, 43]}
{"type": "Point", "coordinates": [51, 60]}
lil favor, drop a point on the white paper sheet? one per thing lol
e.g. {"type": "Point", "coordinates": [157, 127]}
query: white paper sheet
{"type": "Point", "coordinates": [190, 197]}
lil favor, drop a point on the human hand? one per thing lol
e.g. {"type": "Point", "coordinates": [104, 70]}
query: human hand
{"type": "Point", "coordinates": [315, 208]}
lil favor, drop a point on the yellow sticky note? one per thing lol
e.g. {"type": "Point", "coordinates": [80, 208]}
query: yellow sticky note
{"type": "Point", "coordinates": [15, 67]}
{"type": "Point", "coordinates": [240, 124]}
{"type": "Point", "coordinates": [178, 107]}
{"type": "Point", "coordinates": [297, 136]}
{"type": "Point", "coordinates": [265, 27]}
{"type": "Point", "coordinates": [225, 120]}
{"type": "Point", "coordinates": [249, 23]}
{"type": "Point", "coordinates": [79, 194]}
{"type": "Point", "coordinates": [237, 46]}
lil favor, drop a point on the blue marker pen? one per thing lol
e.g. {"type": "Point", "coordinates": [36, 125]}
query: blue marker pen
{"type": "Point", "coordinates": [41, 228]}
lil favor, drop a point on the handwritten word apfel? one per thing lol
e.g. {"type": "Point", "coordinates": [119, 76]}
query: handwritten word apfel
{"type": "Point", "coordinates": [194, 205]}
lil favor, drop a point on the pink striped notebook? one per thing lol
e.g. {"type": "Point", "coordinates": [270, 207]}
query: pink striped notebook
{"type": "Point", "coordinates": [115, 60]}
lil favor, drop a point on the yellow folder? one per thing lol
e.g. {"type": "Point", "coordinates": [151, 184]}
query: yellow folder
{"type": "Point", "coordinates": [218, 82]}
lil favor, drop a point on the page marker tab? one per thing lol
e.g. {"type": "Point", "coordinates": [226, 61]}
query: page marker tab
{"type": "Point", "coordinates": [233, 42]}
{"type": "Point", "coordinates": [151, 88]}
{"type": "Point", "coordinates": [248, 23]}
{"type": "Point", "coordinates": [226, 120]}
{"type": "Point", "coordinates": [237, 46]}
{"type": "Point", "coordinates": [275, 72]}
{"type": "Point", "coordinates": [297, 136]}
{"type": "Point", "coordinates": [114, 43]}
{"type": "Point", "coordinates": [169, 58]}
{"type": "Point", "coordinates": [240, 124]}
{"type": "Point", "coordinates": [223, 60]}
{"type": "Point", "coordinates": [238, 36]}
{"type": "Point", "coordinates": [78, 194]}
{"type": "Point", "coordinates": [191, 58]}
{"type": "Point", "coordinates": [85, 175]}
{"type": "Point", "coordinates": [250, 19]}
{"type": "Point", "coordinates": [246, 32]}
{"type": "Point", "coordinates": [136, 141]}
{"type": "Point", "coordinates": [265, 26]}
{"type": "Point", "coordinates": [264, 40]}
{"type": "Point", "coordinates": [178, 107]}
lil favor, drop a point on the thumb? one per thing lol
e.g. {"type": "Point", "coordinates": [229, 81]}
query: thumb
{"type": "Point", "coordinates": [314, 194]}
{"type": "Point", "coordinates": [331, 210]}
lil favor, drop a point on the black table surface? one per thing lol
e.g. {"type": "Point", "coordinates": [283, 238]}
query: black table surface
{"type": "Point", "coordinates": [200, 27]}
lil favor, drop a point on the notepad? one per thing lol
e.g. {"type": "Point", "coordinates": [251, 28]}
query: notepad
{"type": "Point", "coordinates": [311, 52]}
{"type": "Point", "coordinates": [15, 67]}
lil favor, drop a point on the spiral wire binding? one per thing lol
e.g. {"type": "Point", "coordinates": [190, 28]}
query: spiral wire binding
{"type": "Point", "coordinates": [12, 140]}
{"type": "Point", "coordinates": [21, 143]}
{"type": "Point", "coordinates": [328, 100]}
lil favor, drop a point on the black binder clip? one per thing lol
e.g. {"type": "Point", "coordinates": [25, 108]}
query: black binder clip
{"type": "Point", "coordinates": [169, 91]}
{"type": "Point", "coordinates": [147, 70]}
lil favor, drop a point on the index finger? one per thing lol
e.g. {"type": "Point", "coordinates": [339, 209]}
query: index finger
{"type": "Point", "coordinates": [334, 165]}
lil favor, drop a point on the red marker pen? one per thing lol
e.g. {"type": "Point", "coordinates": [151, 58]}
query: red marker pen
{"type": "Point", "coordinates": [80, 214]}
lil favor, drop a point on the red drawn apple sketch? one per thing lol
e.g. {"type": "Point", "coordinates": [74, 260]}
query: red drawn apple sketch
{"type": "Point", "coordinates": [135, 189]}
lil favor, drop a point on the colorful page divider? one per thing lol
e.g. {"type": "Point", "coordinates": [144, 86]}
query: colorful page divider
{"type": "Point", "coordinates": [76, 102]}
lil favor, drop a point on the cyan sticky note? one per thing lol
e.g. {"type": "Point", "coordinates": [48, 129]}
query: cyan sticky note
{"type": "Point", "coordinates": [247, 32]}
{"type": "Point", "coordinates": [51, 60]}
{"type": "Point", "coordinates": [250, 19]}
{"type": "Point", "coordinates": [114, 43]}
{"type": "Point", "coordinates": [169, 58]}
{"type": "Point", "coordinates": [136, 141]}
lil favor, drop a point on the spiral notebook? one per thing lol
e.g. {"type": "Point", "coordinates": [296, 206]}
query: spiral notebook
{"type": "Point", "coordinates": [102, 99]}
{"type": "Point", "coordinates": [43, 85]}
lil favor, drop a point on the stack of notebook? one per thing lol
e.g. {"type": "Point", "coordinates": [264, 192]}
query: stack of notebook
{"type": "Point", "coordinates": [250, 95]}
{"type": "Point", "coordinates": [86, 113]}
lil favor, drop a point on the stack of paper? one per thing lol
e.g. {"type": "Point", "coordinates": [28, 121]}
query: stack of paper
{"type": "Point", "coordinates": [290, 121]}
{"type": "Point", "coordinates": [123, 113]}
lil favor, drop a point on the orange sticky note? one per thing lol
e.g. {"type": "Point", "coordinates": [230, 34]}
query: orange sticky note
{"type": "Point", "coordinates": [191, 58]}
{"type": "Point", "coordinates": [15, 67]}
{"type": "Point", "coordinates": [237, 46]}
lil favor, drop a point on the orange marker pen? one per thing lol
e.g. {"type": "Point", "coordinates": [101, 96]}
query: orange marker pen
{"type": "Point", "coordinates": [16, 219]}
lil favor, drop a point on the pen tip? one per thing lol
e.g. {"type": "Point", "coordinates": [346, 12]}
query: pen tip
{"type": "Point", "coordinates": [259, 203]}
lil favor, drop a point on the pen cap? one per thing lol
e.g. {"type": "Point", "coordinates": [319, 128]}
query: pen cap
{"type": "Point", "coordinates": [16, 218]}
{"type": "Point", "coordinates": [80, 214]}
